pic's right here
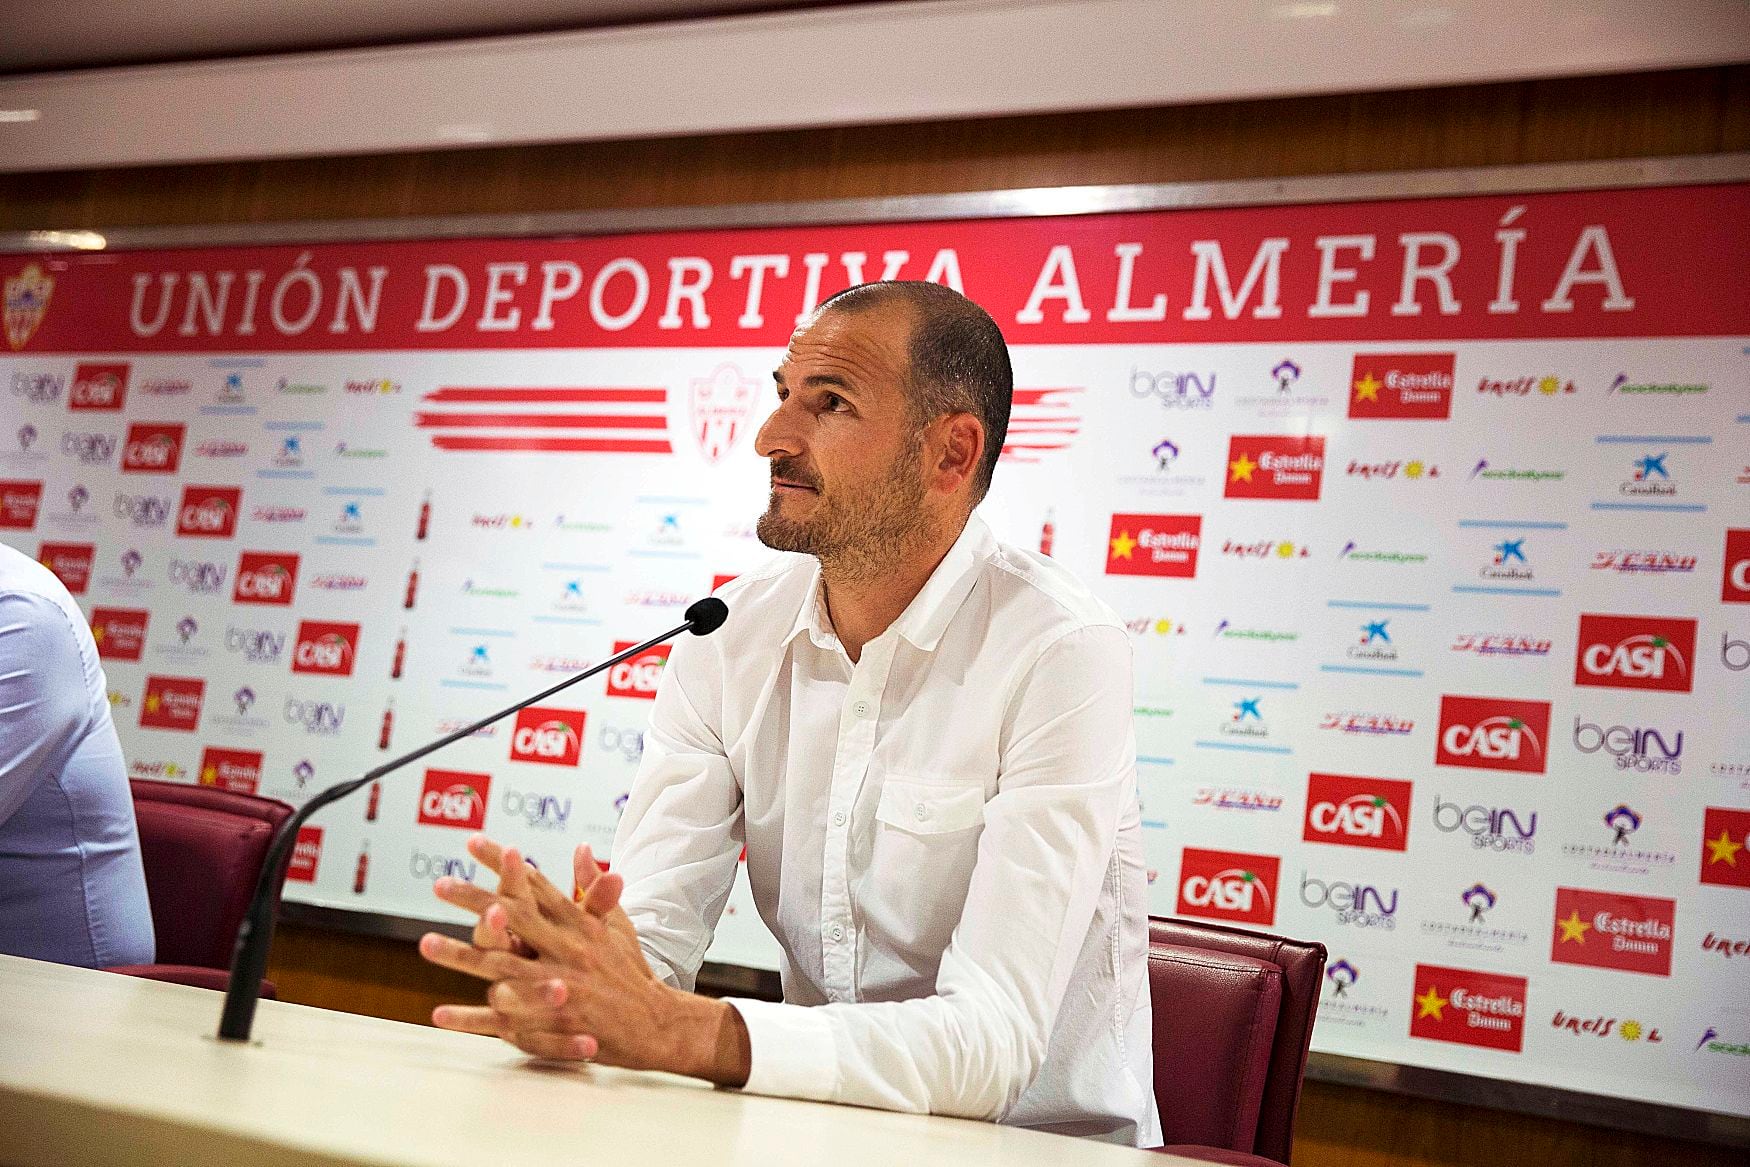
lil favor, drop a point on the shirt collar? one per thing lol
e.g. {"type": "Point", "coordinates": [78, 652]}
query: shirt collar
{"type": "Point", "coordinates": [926, 617]}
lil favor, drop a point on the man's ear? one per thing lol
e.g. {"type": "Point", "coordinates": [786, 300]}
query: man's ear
{"type": "Point", "coordinates": [962, 448]}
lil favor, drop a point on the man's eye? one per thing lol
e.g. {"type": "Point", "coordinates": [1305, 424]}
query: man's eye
{"type": "Point", "coordinates": [833, 402]}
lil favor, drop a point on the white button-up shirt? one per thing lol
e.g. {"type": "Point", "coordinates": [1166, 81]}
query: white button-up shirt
{"type": "Point", "coordinates": [943, 836]}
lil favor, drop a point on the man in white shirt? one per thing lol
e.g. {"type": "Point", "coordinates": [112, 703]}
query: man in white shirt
{"type": "Point", "coordinates": [923, 738]}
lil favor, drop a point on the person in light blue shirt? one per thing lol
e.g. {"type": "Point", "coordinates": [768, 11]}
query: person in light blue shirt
{"type": "Point", "coordinates": [72, 889]}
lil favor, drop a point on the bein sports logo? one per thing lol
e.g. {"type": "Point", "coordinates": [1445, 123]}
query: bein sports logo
{"type": "Point", "coordinates": [638, 676]}
{"type": "Point", "coordinates": [1357, 812]}
{"type": "Point", "coordinates": [1635, 652]}
{"type": "Point", "coordinates": [452, 798]}
{"type": "Point", "coordinates": [1492, 733]}
{"type": "Point", "coordinates": [1228, 885]}
{"type": "Point", "coordinates": [550, 736]}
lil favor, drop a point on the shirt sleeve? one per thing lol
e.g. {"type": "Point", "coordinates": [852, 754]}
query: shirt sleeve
{"type": "Point", "coordinates": [1067, 769]}
{"type": "Point", "coordinates": [44, 701]}
{"type": "Point", "coordinates": [681, 831]}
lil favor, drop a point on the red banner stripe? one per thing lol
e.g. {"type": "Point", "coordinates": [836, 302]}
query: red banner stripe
{"type": "Point", "coordinates": [606, 421]}
{"type": "Point", "coordinates": [548, 396]}
{"type": "Point", "coordinates": [494, 442]}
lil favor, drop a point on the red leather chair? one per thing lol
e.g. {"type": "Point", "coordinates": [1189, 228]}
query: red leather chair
{"type": "Point", "coordinates": [203, 849]}
{"type": "Point", "coordinates": [1233, 1017]}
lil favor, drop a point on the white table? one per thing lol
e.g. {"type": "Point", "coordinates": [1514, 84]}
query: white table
{"type": "Point", "coordinates": [97, 1068]}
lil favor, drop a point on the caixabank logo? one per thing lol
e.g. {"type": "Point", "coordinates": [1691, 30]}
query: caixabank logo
{"type": "Point", "coordinates": [454, 798]}
{"type": "Point", "coordinates": [1608, 929]}
{"type": "Point", "coordinates": [1468, 1007]}
{"type": "Point", "coordinates": [1402, 386]}
{"type": "Point", "coordinates": [553, 737]}
{"type": "Point", "coordinates": [19, 503]}
{"type": "Point", "coordinates": [637, 677]}
{"type": "Point", "coordinates": [1357, 812]}
{"type": "Point", "coordinates": [1636, 652]}
{"type": "Point", "coordinates": [120, 633]}
{"type": "Point", "coordinates": [153, 448]}
{"type": "Point", "coordinates": [1493, 733]}
{"type": "Point", "coordinates": [1154, 545]}
{"type": "Point", "coordinates": [99, 387]}
{"type": "Point", "coordinates": [172, 703]}
{"type": "Point", "coordinates": [324, 648]}
{"type": "Point", "coordinates": [235, 770]}
{"type": "Point", "coordinates": [266, 577]}
{"type": "Point", "coordinates": [209, 512]}
{"type": "Point", "coordinates": [1228, 885]}
{"type": "Point", "coordinates": [1725, 847]}
{"type": "Point", "coordinates": [1280, 466]}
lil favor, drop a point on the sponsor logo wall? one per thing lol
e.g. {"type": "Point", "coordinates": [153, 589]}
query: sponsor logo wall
{"type": "Point", "coordinates": [1429, 520]}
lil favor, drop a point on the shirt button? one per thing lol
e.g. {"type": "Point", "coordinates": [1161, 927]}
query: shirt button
{"type": "Point", "coordinates": [836, 933]}
{"type": "Point", "coordinates": [838, 818]}
{"type": "Point", "coordinates": [922, 811]}
{"type": "Point", "coordinates": [861, 709]}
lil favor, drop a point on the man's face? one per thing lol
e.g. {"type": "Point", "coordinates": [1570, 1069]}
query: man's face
{"type": "Point", "coordinates": [847, 479]}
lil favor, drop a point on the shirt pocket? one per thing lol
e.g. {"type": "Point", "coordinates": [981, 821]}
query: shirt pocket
{"type": "Point", "coordinates": [919, 808]}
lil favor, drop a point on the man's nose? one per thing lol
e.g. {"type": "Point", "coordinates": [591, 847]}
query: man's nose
{"type": "Point", "coordinates": [777, 438]}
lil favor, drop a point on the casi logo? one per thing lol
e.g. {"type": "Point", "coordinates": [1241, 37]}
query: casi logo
{"type": "Point", "coordinates": [1228, 885]}
{"type": "Point", "coordinates": [1637, 748]}
{"type": "Point", "coordinates": [172, 703]}
{"type": "Point", "coordinates": [209, 511]}
{"type": "Point", "coordinates": [1605, 929]}
{"type": "Point", "coordinates": [1360, 904]}
{"type": "Point", "coordinates": [325, 648]}
{"type": "Point", "coordinates": [1154, 545]}
{"type": "Point", "coordinates": [1725, 838]}
{"type": "Point", "coordinates": [543, 812]}
{"type": "Point", "coordinates": [1468, 1007]}
{"type": "Point", "coordinates": [637, 677]}
{"type": "Point", "coordinates": [71, 563]}
{"type": "Point", "coordinates": [234, 770]}
{"type": "Point", "coordinates": [1357, 812]}
{"type": "Point", "coordinates": [1492, 733]}
{"type": "Point", "coordinates": [454, 798]}
{"type": "Point", "coordinates": [1635, 652]}
{"type": "Point", "coordinates": [266, 577]}
{"type": "Point", "coordinates": [1735, 580]}
{"type": "Point", "coordinates": [153, 448]}
{"type": "Point", "coordinates": [1404, 386]}
{"type": "Point", "coordinates": [103, 387]}
{"type": "Point", "coordinates": [19, 503]}
{"type": "Point", "coordinates": [306, 853]}
{"type": "Point", "coordinates": [1491, 828]}
{"type": "Point", "coordinates": [120, 633]}
{"type": "Point", "coordinates": [1280, 466]}
{"type": "Point", "coordinates": [552, 736]}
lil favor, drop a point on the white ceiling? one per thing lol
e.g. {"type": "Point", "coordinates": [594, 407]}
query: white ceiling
{"type": "Point", "coordinates": [37, 34]}
{"type": "Point", "coordinates": [794, 66]}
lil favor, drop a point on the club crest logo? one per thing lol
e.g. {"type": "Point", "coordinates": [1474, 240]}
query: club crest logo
{"type": "Point", "coordinates": [721, 405]}
{"type": "Point", "coordinates": [26, 298]}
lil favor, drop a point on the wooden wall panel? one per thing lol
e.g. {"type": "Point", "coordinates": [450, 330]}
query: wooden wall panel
{"type": "Point", "coordinates": [1644, 115]}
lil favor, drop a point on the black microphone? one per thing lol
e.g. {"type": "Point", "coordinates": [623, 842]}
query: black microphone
{"type": "Point", "coordinates": [255, 934]}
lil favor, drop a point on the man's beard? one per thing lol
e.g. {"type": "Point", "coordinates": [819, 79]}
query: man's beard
{"type": "Point", "coordinates": [857, 530]}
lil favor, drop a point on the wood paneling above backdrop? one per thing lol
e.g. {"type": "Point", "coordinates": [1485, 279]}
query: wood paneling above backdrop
{"type": "Point", "coordinates": [1644, 115]}
{"type": "Point", "coordinates": [1697, 111]}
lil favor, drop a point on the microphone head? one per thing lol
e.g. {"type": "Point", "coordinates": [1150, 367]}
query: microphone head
{"type": "Point", "coordinates": [707, 615]}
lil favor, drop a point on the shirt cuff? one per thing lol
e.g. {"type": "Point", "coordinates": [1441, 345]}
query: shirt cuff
{"type": "Point", "coordinates": [794, 1055]}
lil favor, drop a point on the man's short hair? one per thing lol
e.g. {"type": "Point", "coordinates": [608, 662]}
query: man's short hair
{"type": "Point", "coordinates": [959, 361]}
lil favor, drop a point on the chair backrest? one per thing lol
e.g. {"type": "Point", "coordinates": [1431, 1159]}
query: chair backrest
{"type": "Point", "coordinates": [1233, 1018]}
{"type": "Point", "coordinates": [203, 849]}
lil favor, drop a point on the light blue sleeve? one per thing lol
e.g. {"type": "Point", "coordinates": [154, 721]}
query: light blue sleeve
{"type": "Point", "coordinates": [44, 701]}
